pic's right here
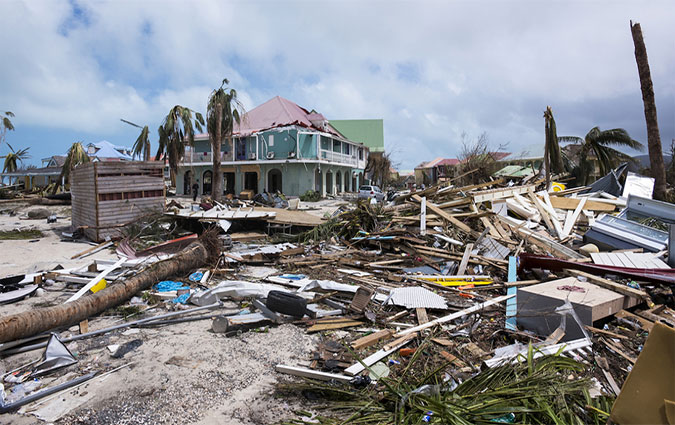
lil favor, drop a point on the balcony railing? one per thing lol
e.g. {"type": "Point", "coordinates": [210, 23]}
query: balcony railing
{"type": "Point", "coordinates": [337, 157]}
{"type": "Point", "coordinates": [192, 157]}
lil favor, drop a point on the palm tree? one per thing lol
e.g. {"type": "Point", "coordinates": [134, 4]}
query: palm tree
{"type": "Point", "coordinates": [598, 142]}
{"type": "Point", "coordinates": [177, 129]}
{"type": "Point", "coordinates": [222, 112]}
{"type": "Point", "coordinates": [6, 125]}
{"type": "Point", "coordinates": [656, 165]}
{"type": "Point", "coordinates": [141, 148]}
{"type": "Point", "coordinates": [76, 155]}
{"type": "Point", "coordinates": [13, 158]}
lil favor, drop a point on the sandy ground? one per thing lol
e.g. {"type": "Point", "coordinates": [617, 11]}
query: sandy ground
{"type": "Point", "coordinates": [180, 374]}
{"type": "Point", "coordinates": [25, 256]}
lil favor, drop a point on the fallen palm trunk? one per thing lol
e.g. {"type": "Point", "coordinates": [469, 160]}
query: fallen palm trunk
{"type": "Point", "coordinates": [32, 322]}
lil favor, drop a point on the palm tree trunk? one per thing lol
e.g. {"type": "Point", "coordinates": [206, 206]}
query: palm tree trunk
{"type": "Point", "coordinates": [216, 143]}
{"type": "Point", "coordinates": [32, 322]}
{"type": "Point", "coordinates": [657, 167]}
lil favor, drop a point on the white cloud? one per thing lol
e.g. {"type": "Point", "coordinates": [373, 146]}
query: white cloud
{"type": "Point", "coordinates": [432, 70]}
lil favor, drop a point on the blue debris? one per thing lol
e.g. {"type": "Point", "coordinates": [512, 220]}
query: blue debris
{"type": "Point", "coordinates": [196, 276]}
{"type": "Point", "coordinates": [169, 285]}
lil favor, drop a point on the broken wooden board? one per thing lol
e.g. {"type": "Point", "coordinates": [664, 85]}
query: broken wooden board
{"type": "Point", "coordinates": [616, 287]}
{"type": "Point", "coordinates": [572, 203]}
{"type": "Point", "coordinates": [646, 324]}
{"type": "Point", "coordinates": [333, 323]}
{"type": "Point", "coordinates": [465, 259]}
{"type": "Point", "coordinates": [313, 374]}
{"type": "Point", "coordinates": [445, 216]}
{"type": "Point", "coordinates": [501, 193]}
{"type": "Point", "coordinates": [371, 339]}
{"type": "Point", "coordinates": [629, 259]}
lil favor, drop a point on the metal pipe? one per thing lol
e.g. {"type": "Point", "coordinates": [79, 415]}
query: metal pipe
{"type": "Point", "coordinates": [112, 328]}
{"type": "Point", "coordinates": [4, 408]}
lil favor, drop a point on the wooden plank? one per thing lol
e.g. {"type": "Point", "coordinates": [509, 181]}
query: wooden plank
{"type": "Point", "coordinates": [334, 324]}
{"type": "Point", "coordinates": [96, 280]}
{"type": "Point", "coordinates": [572, 204]}
{"type": "Point", "coordinates": [553, 216]}
{"type": "Point", "coordinates": [371, 339]}
{"type": "Point", "coordinates": [423, 216]}
{"type": "Point", "coordinates": [646, 324]}
{"type": "Point", "coordinates": [571, 221]}
{"type": "Point", "coordinates": [465, 259]}
{"type": "Point", "coordinates": [542, 210]}
{"type": "Point", "coordinates": [313, 374]}
{"type": "Point", "coordinates": [376, 357]}
{"type": "Point", "coordinates": [422, 317]}
{"type": "Point", "coordinates": [604, 332]}
{"type": "Point", "coordinates": [608, 284]}
{"type": "Point", "coordinates": [456, 315]}
{"type": "Point", "coordinates": [445, 216]}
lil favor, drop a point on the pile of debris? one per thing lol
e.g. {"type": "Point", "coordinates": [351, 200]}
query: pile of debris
{"type": "Point", "coordinates": [493, 302]}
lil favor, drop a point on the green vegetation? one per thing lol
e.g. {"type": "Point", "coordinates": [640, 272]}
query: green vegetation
{"type": "Point", "coordinates": [7, 235]}
{"type": "Point", "coordinates": [547, 390]}
{"type": "Point", "coordinates": [176, 132]}
{"type": "Point", "coordinates": [223, 111]}
{"type": "Point", "coordinates": [13, 159]}
{"type": "Point", "coordinates": [310, 196]}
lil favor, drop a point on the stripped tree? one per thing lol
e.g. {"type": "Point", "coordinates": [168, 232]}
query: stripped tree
{"type": "Point", "coordinates": [222, 112]}
{"type": "Point", "coordinates": [176, 132]}
{"type": "Point", "coordinates": [553, 159]}
{"type": "Point", "coordinates": [656, 165]}
{"type": "Point", "coordinates": [141, 148]}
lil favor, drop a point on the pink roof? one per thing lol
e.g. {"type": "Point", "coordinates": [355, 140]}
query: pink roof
{"type": "Point", "coordinates": [447, 162]}
{"type": "Point", "coordinates": [279, 112]}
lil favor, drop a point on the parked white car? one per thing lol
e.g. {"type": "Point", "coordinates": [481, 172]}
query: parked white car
{"type": "Point", "coordinates": [366, 192]}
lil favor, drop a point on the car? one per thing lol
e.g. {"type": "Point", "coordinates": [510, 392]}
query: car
{"type": "Point", "coordinates": [367, 191]}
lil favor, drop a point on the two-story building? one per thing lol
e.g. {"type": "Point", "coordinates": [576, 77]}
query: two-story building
{"type": "Point", "coordinates": [278, 146]}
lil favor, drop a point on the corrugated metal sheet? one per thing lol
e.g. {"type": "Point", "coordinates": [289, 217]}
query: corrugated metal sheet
{"type": "Point", "coordinates": [416, 296]}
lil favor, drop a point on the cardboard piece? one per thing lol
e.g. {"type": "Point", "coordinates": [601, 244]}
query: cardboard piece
{"type": "Point", "coordinates": [649, 390]}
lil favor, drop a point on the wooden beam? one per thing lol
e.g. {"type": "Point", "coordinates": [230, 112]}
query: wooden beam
{"type": "Point", "coordinates": [445, 216]}
{"type": "Point", "coordinates": [371, 339]}
{"type": "Point", "coordinates": [96, 280]}
{"type": "Point", "coordinates": [611, 285]}
{"type": "Point", "coordinates": [313, 374]}
{"type": "Point", "coordinates": [465, 259]}
{"type": "Point", "coordinates": [572, 203]}
{"type": "Point", "coordinates": [456, 315]}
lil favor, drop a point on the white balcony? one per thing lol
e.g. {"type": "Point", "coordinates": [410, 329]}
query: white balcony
{"type": "Point", "coordinates": [338, 157]}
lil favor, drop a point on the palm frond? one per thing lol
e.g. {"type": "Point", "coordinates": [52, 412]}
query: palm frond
{"type": "Point", "coordinates": [617, 137]}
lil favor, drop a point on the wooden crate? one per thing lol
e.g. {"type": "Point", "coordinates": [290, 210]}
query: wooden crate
{"type": "Point", "coordinates": [106, 196]}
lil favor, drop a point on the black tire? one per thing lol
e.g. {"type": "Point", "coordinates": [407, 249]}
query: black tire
{"type": "Point", "coordinates": [286, 303]}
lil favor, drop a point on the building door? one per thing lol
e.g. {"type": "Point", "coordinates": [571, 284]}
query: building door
{"type": "Point", "coordinates": [318, 184]}
{"type": "Point", "coordinates": [206, 183]}
{"type": "Point", "coordinates": [329, 183]}
{"type": "Point", "coordinates": [338, 181]}
{"type": "Point", "coordinates": [274, 181]}
{"type": "Point", "coordinates": [251, 181]}
{"type": "Point", "coordinates": [347, 179]}
{"type": "Point", "coordinates": [228, 183]}
{"type": "Point", "coordinates": [187, 183]}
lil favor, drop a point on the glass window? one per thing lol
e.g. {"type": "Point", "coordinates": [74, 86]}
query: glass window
{"type": "Point", "coordinates": [270, 139]}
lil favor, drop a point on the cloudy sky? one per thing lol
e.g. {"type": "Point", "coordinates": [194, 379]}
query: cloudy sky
{"type": "Point", "coordinates": [432, 70]}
